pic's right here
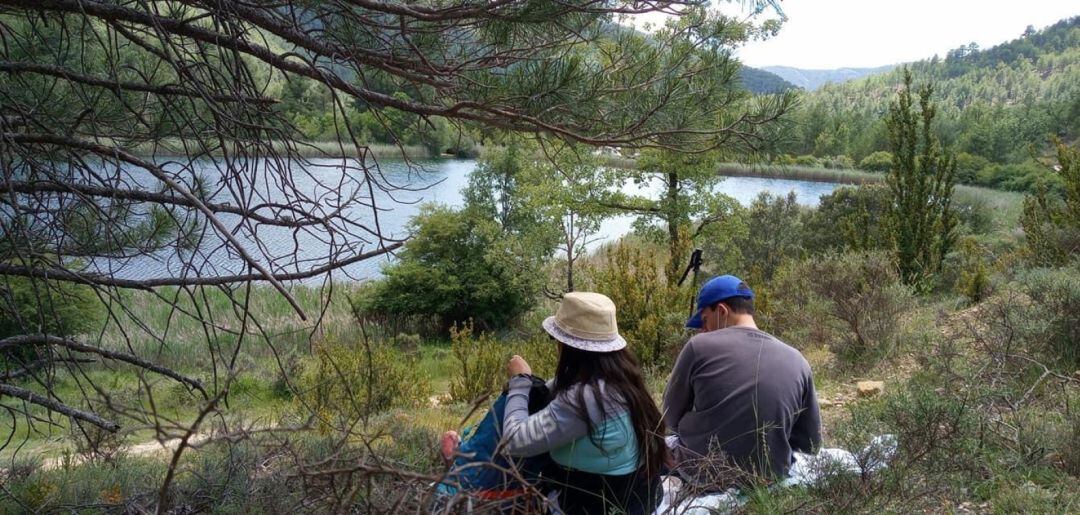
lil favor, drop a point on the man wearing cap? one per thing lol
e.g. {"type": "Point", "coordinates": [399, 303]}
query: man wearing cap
{"type": "Point", "coordinates": [739, 400]}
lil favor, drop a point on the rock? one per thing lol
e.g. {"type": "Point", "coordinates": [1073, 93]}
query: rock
{"type": "Point", "coordinates": [825, 403]}
{"type": "Point", "coordinates": [439, 400]}
{"type": "Point", "coordinates": [869, 388]}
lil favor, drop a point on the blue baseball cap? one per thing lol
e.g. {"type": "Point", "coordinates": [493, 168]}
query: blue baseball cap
{"type": "Point", "coordinates": [715, 290]}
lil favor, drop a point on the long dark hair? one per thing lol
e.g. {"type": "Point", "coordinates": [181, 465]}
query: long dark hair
{"type": "Point", "coordinates": [622, 375]}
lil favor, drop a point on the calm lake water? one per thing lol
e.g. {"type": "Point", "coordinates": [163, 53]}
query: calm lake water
{"type": "Point", "coordinates": [427, 181]}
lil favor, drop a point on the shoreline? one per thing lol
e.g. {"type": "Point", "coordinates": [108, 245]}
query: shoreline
{"type": "Point", "coordinates": [801, 173]}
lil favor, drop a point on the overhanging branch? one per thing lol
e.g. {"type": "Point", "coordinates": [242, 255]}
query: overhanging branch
{"type": "Point", "coordinates": [51, 405]}
{"type": "Point", "coordinates": [43, 339]}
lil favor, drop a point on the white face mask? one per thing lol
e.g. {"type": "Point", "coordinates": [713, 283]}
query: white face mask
{"type": "Point", "coordinates": [721, 320]}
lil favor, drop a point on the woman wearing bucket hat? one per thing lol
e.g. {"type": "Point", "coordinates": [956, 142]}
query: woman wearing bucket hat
{"type": "Point", "coordinates": [602, 428]}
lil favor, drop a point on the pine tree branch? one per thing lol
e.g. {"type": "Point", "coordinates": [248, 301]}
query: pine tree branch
{"type": "Point", "coordinates": [51, 405]}
{"type": "Point", "coordinates": [42, 339]}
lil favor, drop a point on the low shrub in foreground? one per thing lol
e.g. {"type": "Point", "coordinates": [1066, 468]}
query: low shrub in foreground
{"type": "Point", "coordinates": [341, 383]}
{"type": "Point", "coordinates": [481, 363]}
{"type": "Point", "coordinates": [1055, 294]}
{"type": "Point", "coordinates": [481, 360]}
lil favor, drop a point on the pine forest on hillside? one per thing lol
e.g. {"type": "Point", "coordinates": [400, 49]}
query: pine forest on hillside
{"type": "Point", "coordinates": [998, 109]}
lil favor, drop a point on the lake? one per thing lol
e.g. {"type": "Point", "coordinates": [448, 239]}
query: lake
{"type": "Point", "coordinates": [438, 181]}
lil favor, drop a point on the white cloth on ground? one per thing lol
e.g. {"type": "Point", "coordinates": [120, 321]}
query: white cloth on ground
{"type": "Point", "coordinates": [807, 469]}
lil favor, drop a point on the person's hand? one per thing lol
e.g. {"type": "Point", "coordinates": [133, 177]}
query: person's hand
{"type": "Point", "coordinates": [517, 365]}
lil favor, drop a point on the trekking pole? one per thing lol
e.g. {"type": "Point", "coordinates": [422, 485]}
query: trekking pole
{"type": "Point", "coordinates": [693, 266]}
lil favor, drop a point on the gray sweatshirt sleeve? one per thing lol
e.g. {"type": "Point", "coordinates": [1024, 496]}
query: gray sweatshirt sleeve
{"type": "Point", "coordinates": [550, 428]}
{"type": "Point", "coordinates": [679, 394]}
{"type": "Point", "coordinates": [806, 432]}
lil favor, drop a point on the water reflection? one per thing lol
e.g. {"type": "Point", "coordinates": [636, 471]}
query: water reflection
{"type": "Point", "coordinates": [424, 181]}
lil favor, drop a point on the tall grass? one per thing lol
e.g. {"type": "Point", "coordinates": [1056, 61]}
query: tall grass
{"type": "Point", "coordinates": [801, 173]}
{"type": "Point", "coordinates": [307, 149]}
{"type": "Point", "coordinates": [1004, 206]}
{"type": "Point", "coordinates": [165, 325]}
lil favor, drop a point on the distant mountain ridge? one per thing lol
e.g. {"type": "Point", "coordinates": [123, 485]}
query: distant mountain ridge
{"type": "Point", "coordinates": [814, 79]}
{"type": "Point", "coordinates": [760, 81]}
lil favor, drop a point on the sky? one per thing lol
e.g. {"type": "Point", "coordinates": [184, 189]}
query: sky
{"type": "Point", "coordinates": [825, 34]}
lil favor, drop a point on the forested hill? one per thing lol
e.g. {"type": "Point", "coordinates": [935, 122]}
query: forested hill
{"type": "Point", "coordinates": [759, 81]}
{"type": "Point", "coordinates": [814, 79]}
{"type": "Point", "coordinates": [997, 107]}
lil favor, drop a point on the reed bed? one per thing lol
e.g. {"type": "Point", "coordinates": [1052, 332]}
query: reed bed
{"type": "Point", "coordinates": [310, 149]}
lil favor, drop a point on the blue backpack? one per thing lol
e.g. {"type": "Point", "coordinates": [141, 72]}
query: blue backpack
{"type": "Point", "coordinates": [478, 467]}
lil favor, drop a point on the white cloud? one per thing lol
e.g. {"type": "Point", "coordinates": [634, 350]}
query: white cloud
{"type": "Point", "coordinates": [850, 33]}
{"type": "Point", "coordinates": [866, 33]}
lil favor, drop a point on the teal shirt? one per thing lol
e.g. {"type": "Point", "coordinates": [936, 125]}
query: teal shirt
{"type": "Point", "coordinates": [617, 453]}
{"type": "Point", "coordinates": [559, 430]}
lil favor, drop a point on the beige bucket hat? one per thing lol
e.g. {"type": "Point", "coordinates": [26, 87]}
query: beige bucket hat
{"type": "Point", "coordinates": [586, 321]}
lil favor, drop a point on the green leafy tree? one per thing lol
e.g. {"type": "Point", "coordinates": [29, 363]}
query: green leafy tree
{"type": "Point", "coordinates": [775, 235]}
{"type": "Point", "coordinates": [459, 266]}
{"type": "Point", "coordinates": [495, 188]}
{"type": "Point", "coordinates": [921, 182]}
{"type": "Point", "coordinates": [678, 185]}
{"type": "Point", "coordinates": [543, 191]}
{"type": "Point", "coordinates": [1051, 223]}
{"type": "Point", "coordinates": [850, 218]}
{"type": "Point", "coordinates": [685, 194]}
{"type": "Point", "coordinates": [564, 186]}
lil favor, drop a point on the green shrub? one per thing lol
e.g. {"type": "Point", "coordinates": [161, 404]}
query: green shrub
{"type": "Point", "coordinates": [481, 363]}
{"type": "Point", "coordinates": [542, 354]}
{"type": "Point", "coordinates": [851, 302]}
{"type": "Point", "coordinates": [105, 486]}
{"type": "Point", "coordinates": [32, 306]}
{"type": "Point", "coordinates": [807, 161]}
{"type": "Point", "coordinates": [849, 218]}
{"type": "Point", "coordinates": [95, 444]}
{"type": "Point", "coordinates": [651, 312]}
{"type": "Point", "coordinates": [722, 239]}
{"type": "Point", "coordinates": [880, 161]}
{"type": "Point", "coordinates": [481, 360]}
{"type": "Point", "coordinates": [1029, 176]}
{"type": "Point", "coordinates": [344, 382]}
{"type": "Point", "coordinates": [1052, 222]}
{"type": "Point", "coordinates": [1056, 297]}
{"type": "Point", "coordinates": [935, 430]}
{"type": "Point", "coordinates": [973, 280]}
{"type": "Point", "coordinates": [968, 167]}
{"type": "Point", "coordinates": [775, 235]}
{"type": "Point", "coordinates": [458, 266]}
{"type": "Point", "coordinates": [838, 162]}
{"type": "Point", "coordinates": [35, 306]}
